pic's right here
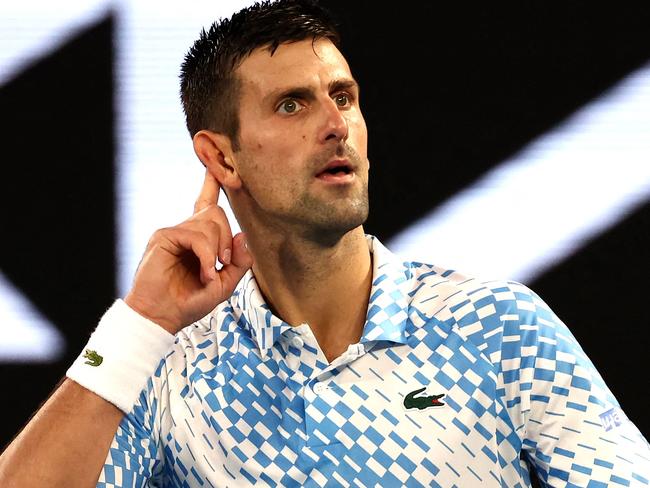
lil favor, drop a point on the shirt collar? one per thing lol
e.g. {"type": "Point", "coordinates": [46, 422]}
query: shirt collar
{"type": "Point", "coordinates": [387, 314]}
{"type": "Point", "coordinates": [386, 319]}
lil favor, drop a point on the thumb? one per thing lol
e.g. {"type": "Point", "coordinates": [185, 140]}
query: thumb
{"type": "Point", "coordinates": [241, 261]}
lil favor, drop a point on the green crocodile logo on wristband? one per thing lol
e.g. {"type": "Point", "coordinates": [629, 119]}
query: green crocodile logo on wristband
{"type": "Point", "coordinates": [94, 358]}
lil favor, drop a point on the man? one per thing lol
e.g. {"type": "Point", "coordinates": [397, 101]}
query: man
{"type": "Point", "coordinates": [331, 363]}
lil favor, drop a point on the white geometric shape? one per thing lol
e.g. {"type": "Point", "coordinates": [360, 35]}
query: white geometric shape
{"type": "Point", "coordinates": [29, 29]}
{"type": "Point", "coordinates": [543, 204]}
{"type": "Point", "coordinates": [26, 334]}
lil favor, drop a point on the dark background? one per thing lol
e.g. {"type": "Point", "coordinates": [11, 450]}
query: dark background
{"type": "Point", "coordinates": [448, 92]}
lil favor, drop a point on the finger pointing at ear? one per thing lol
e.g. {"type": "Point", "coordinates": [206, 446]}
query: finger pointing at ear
{"type": "Point", "coordinates": [209, 193]}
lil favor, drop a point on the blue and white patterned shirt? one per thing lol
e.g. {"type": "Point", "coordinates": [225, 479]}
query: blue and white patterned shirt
{"type": "Point", "coordinates": [455, 382]}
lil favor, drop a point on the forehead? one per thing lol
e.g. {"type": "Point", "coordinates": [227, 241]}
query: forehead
{"type": "Point", "coordinates": [301, 63]}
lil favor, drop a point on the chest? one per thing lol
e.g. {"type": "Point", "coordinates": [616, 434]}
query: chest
{"type": "Point", "coordinates": [393, 415]}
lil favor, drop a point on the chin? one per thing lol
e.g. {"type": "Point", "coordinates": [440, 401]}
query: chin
{"type": "Point", "coordinates": [327, 221]}
{"type": "Point", "coordinates": [329, 231]}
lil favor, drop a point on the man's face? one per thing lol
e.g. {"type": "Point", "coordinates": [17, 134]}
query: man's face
{"type": "Point", "coordinates": [299, 114]}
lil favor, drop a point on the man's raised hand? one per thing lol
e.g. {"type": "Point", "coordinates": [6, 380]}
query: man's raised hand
{"type": "Point", "coordinates": [176, 283]}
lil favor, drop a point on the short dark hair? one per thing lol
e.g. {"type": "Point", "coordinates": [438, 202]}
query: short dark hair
{"type": "Point", "coordinates": [209, 87]}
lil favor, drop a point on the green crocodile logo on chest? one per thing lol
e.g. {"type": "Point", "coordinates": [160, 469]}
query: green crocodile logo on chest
{"type": "Point", "coordinates": [412, 401]}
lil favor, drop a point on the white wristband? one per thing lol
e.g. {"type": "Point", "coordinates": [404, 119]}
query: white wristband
{"type": "Point", "coordinates": [121, 355]}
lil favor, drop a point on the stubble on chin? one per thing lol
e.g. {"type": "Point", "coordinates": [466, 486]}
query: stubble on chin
{"type": "Point", "coordinates": [341, 215]}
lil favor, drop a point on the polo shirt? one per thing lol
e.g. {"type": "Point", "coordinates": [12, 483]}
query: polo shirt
{"type": "Point", "coordinates": [454, 382]}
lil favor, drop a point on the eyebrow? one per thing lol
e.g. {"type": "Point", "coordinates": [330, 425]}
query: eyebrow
{"type": "Point", "coordinates": [307, 93]}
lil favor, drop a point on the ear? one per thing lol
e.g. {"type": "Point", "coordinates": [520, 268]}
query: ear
{"type": "Point", "coordinates": [215, 152]}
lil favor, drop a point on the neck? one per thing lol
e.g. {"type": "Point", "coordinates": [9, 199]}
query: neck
{"type": "Point", "coordinates": [327, 287]}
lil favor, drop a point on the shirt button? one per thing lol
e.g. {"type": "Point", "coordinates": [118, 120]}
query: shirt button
{"type": "Point", "coordinates": [297, 342]}
{"type": "Point", "coordinates": [319, 388]}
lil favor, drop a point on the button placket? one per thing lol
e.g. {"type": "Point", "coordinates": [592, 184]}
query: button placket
{"type": "Point", "coordinates": [318, 403]}
{"type": "Point", "coordinates": [293, 346]}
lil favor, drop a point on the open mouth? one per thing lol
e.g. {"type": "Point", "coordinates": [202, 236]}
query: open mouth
{"type": "Point", "coordinates": [337, 171]}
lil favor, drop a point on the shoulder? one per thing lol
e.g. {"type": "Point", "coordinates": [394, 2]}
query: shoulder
{"type": "Point", "coordinates": [485, 312]}
{"type": "Point", "coordinates": [467, 298]}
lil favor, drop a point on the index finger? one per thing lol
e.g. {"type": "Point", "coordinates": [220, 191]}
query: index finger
{"type": "Point", "coordinates": [209, 192]}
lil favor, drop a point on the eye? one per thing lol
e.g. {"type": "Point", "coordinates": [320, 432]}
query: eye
{"type": "Point", "coordinates": [290, 106]}
{"type": "Point", "coordinates": [342, 99]}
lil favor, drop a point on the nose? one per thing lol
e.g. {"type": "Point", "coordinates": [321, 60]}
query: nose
{"type": "Point", "coordinates": [335, 125]}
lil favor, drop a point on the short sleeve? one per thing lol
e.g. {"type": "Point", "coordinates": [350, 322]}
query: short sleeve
{"type": "Point", "coordinates": [574, 431]}
{"type": "Point", "coordinates": [135, 459]}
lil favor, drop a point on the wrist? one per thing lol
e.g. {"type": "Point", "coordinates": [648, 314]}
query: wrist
{"type": "Point", "coordinates": [123, 352]}
{"type": "Point", "coordinates": [143, 309]}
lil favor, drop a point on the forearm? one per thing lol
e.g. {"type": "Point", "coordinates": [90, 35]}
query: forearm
{"type": "Point", "coordinates": [65, 444]}
{"type": "Point", "coordinates": [67, 441]}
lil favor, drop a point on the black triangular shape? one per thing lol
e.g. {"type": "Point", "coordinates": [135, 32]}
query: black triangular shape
{"type": "Point", "coordinates": [57, 196]}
